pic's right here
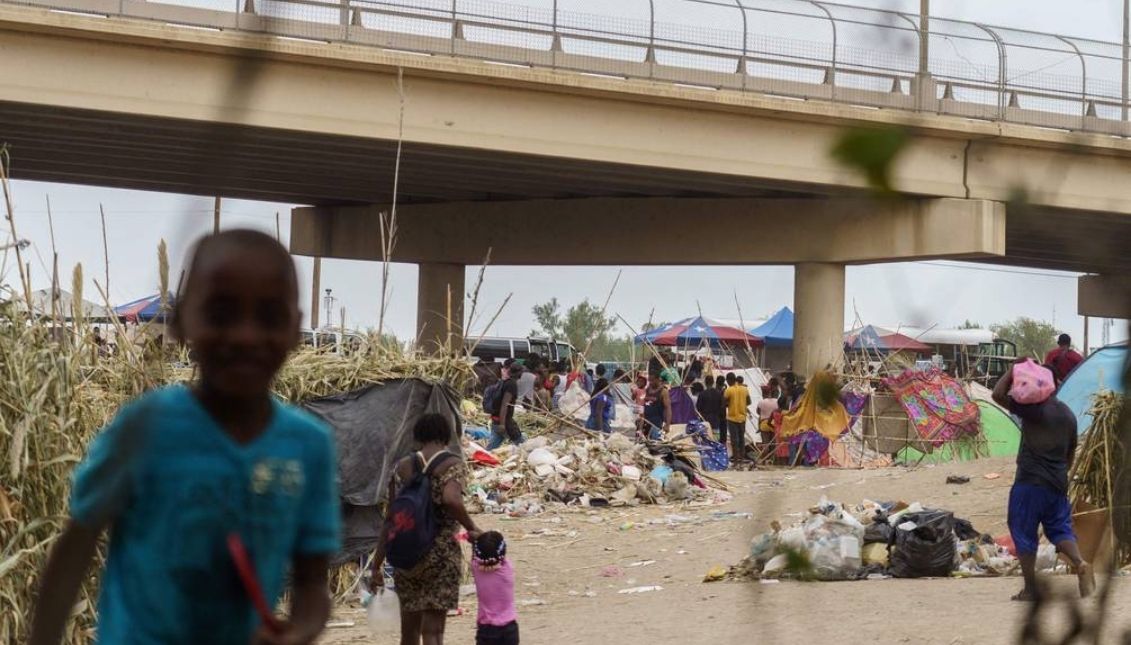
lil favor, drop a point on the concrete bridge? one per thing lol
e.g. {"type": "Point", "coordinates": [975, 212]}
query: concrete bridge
{"type": "Point", "coordinates": [522, 133]}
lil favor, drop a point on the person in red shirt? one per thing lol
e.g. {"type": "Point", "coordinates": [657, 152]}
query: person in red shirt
{"type": "Point", "coordinates": [1063, 359]}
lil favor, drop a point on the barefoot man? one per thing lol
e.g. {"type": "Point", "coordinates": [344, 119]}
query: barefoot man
{"type": "Point", "coordinates": [1040, 489]}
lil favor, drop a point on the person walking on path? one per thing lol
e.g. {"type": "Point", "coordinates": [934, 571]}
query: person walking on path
{"type": "Point", "coordinates": [430, 589]}
{"type": "Point", "coordinates": [503, 424]}
{"type": "Point", "coordinates": [1039, 496]}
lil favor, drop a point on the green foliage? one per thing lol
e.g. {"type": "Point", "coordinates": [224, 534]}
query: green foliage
{"type": "Point", "coordinates": [582, 323]}
{"type": "Point", "coordinates": [872, 152]}
{"type": "Point", "coordinates": [548, 315]}
{"type": "Point", "coordinates": [1033, 337]}
{"type": "Point", "coordinates": [969, 324]}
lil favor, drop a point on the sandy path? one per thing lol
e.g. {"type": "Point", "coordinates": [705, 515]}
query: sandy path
{"type": "Point", "coordinates": [559, 558]}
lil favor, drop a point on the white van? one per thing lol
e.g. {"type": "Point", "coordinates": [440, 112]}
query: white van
{"type": "Point", "coordinates": [496, 349]}
{"type": "Point", "coordinates": [333, 340]}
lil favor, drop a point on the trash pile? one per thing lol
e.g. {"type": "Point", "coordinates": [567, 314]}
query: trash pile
{"type": "Point", "coordinates": [876, 540]}
{"type": "Point", "coordinates": [584, 472]}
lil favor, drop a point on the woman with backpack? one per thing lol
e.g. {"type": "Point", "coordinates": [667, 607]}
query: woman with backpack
{"type": "Point", "coordinates": [419, 533]}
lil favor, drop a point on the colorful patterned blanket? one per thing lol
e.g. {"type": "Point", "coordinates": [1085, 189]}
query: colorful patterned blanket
{"type": "Point", "coordinates": [936, 404]}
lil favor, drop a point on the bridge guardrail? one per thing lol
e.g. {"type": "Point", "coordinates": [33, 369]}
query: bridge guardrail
{"type": "Point", "coordinates": [874, 58]}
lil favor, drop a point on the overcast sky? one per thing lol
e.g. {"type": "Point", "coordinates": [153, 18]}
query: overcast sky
{"type": "Point", "coordinates": [921, 294]}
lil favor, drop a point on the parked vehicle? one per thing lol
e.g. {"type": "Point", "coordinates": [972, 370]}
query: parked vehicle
{"type": "Point", "coordinates": [496, 349]}
{"type": "Point", "coordinates": [333, 340]}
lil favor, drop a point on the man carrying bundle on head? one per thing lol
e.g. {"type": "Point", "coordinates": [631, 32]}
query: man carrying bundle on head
{"type": "Point", "coordinates": [1039, 496]}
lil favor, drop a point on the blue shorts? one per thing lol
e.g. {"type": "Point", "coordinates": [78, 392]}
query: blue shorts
{"type": "Point", "coordinates": [1032, 506]}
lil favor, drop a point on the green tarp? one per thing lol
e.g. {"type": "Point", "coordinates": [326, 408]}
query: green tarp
{"type": "Point", "coordinates": [1002, 439]}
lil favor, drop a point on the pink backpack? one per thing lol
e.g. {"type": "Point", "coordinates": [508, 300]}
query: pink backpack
{"type": "Point", "coordinates": [1032, 383]}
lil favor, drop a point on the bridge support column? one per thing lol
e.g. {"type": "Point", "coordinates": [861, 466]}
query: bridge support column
{"type": "Point", "coordinates": [818, 327]}
{"type": "Point", "coordinates": [439, 306]}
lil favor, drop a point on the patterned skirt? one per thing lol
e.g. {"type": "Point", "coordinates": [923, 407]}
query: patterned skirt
{"type": "Point", "coordinates": [433, 584]}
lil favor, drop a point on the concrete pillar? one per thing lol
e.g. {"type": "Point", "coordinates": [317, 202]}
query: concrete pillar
{"type": "Point", "coordinates": [818, 326]}
{"type": "Point", "coordinates": [439, 306]}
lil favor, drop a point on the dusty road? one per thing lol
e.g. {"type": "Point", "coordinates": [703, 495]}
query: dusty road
{"type": "Point", "coordinates": [564, 598]}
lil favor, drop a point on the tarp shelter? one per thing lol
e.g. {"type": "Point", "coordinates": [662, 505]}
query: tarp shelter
{"type": "Point", "coordinates": [65, 302]}
{"type": "Point", "coordinates": [869, 338]}
{"type": "Point", "coordinates": [146, 309]}
{"type": "Point", "coordinates": [778, 330]}
{"type": "Point", "coordinates": [1102, 370]}
{"type": "Point", "coordinates": [696, 332]}
{"type": "Point", "coordinates": [373, 429]}
{"type": "Point", "coordinates": [1001, 432]}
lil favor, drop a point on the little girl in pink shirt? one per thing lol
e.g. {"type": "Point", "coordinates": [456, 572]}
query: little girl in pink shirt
{"type": "Point", "coordinates": [494, 584]}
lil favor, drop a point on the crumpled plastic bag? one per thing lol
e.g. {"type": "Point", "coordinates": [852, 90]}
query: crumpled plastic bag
{"type": "Point", "coordinates": [575, 403]}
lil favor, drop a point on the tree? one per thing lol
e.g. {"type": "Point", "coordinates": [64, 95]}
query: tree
{"type": "Point", "coordinates": [1033, 337]}
{"type": "Point", "coordinates": [549, 318]}
{"type": "Point", "coordinates": [585, 322]}
{"type": "Point", "coordinates": [969, 324]}
{"type": "Point", "coordinates": [581, 323]}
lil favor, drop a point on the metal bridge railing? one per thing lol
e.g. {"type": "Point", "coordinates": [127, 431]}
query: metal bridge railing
{"type": "Point", "coordinates": [804, 49]}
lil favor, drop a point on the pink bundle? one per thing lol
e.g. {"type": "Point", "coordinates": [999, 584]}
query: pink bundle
{"type": "Point", "coordinates": [1032, 383]}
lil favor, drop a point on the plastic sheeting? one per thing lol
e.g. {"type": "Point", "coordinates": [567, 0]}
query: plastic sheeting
{"type": "Point", "coordinates": [1102, 370]}
{"type": "Point", "coordinates": [373, 430]}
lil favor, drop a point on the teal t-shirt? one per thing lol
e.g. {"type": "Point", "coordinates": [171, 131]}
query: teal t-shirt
{"type": "Point", "coordinates": [172, 485]}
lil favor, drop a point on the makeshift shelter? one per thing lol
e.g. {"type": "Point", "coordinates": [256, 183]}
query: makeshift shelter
{"type": "Point", "coordinates": [696, 332]}
{"type": "Point", "coordinates": [1000, 433]}
{"type": "Point", "coordinates": [777, 334]}
{"type": "Point", "coordinates": [146, 309]}
{"type": "Point", "coordinates": [1103, 370]}
{"type": "Point", "coordinates": [41, 305]}
{"type": "Point", "coordinates": [373, 429]}
{"type": "Point", "coordinates": [870, 339]}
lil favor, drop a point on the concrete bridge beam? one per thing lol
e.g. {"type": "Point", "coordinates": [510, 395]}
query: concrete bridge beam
{"type": "Point", "coordinates": [1104, 296]}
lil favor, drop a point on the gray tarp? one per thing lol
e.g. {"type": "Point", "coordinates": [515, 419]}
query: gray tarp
{"type": "Point", "coordinates": [373, 429]}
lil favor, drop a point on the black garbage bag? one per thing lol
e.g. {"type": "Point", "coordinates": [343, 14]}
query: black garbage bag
{"type": "Point", "coordinates": [964, 530]}
{"type": "Point", "coordinates": [925, 551]}
{"type": "Point", "coordinates": [878, 531]}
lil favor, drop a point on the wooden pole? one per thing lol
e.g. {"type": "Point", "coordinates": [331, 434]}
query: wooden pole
{"type": "Point", "coordinates": [1086, 347]}
{"type": "Point", "coordinates": [105, 249]}
{"type": "Point", "coordinates": [278, 232]}
{"type": "Point", "coordinates": [316, 289]}
{"type": "Point", "coordinates": [216, 216]}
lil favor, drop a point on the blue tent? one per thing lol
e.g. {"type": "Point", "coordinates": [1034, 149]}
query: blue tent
{"type": "Point", "coordinates": [1102, 370]}
{"type": "Point", "coordinates": [778, 330]}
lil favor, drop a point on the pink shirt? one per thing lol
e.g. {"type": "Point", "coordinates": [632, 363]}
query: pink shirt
{"type": "Point", "coordinates": [495, 589]}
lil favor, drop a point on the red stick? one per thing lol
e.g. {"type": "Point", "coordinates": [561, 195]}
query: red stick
{"type": "Point", "coordinates": [251, 582]}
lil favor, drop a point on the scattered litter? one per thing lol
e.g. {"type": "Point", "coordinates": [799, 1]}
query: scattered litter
{"type": "Point", "coordinates": [731, 515]}
{"type": "Point", "coordinates": [339, 624]}
{"type": "Point", "coordinates": [958, 479]}
{"type": "Point", "coordinates": [532, 602]}
{"type": "Point", "coordinates": [992, 476]}
{"type": "Point", "coordinates": [647, 589]}
{"type": "Point", "coordinates": [612, 571]}
{"type": "Point", "coordinates": [769, 581]}
{"type": "Point", "coordinates": [585, 472]}
{"type": "Point", "coordinates": [643, 563]}
{"type": "Point", "coordinates": [716, 573]}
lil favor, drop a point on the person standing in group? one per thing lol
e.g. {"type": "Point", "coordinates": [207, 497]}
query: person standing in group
{"type": "Point", "coordinates": [767, 406]}
{"type": "Point", "coordinates": [429, 589]}
{"type": "Point", "coordinates": [622, 389]}
{"type": "Point", "coordinates": [721, 386]}
{"type": "Point", "coordinates": [497, 619]}
{"type": "Point", "coordinates": [525, 386]}
{"type": "Point", "coordinates": [187, 475]}
{"type": "Point", "coordinates": [1063, 359]}
{"type": "Point", "coordinates": [738, 402]}
{"type": "Point", "coordinates": [709, 405]}
{"type": "Point", "coordinates": [1039, 496]}
{"type": "Point", "coordinates": [600, 408]}
{"type": "Point", "coordinates": [657, 409]}
{"type": "Point", "coordinates": [503, 424]}
{"type": "Point", "coordinates": [683, 405]}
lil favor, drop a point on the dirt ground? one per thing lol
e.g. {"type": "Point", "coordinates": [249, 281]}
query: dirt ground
{"type": "Point", "coordinates": [563, 598]}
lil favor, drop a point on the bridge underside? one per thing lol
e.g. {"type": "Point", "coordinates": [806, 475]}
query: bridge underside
{"type": "Point", "coordinates": [194, 157]}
